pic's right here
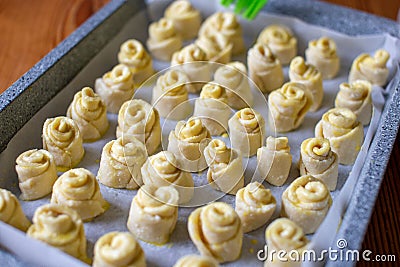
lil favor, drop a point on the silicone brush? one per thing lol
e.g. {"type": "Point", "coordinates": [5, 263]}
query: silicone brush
{"type": "Point", "coordinates": [247, 8]}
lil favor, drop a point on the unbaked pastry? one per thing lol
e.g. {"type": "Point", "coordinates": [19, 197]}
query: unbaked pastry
{"type": "Point", "coordinates": [117, 249]}
{"type": "Point", "coordinates": [163, 39]}
{"type": "Point", "coordinates": [288, 106]}
{"type": "Point", "coordinates": [212, 107]}
{"type": "Point", "coordinates": [225, 171]}
{"type": "Point", "coordinates": [274, 160]}
{"type": "Point", "coordinates": [225, 23]}
{"type": "Point", "coordinates": [356, 96]}
{"type": "Point", "coordinates": [90, 114]}
{"type": "Point", "coordinates": [216, 46]}
{"type": "Point", "coordinates": [233, 77]}
{"type": "Point", "coordinates": [317, 159]}
{"type": "Point", "coordinates": [62, 138]}
{"type": "Point", "coordinates": [37, 173]}
{"type": "Point", "coordinates": [154, 213]}
{"type": "Point", "coordinates": [196, 261]}
{"type": "Point", "coordinates": [115, 87]}
{"type": "Point", "coordinates": [372, 69]}
{"type": "Point", "coordinates": [281, 41]}
{"type": "Point", "coordinates": [284, 235]}
{"type": "Point", "coordinates": [264, 68]}
{"type": "Point", "coordinates": [187, 142]}
{"type": "Point", "coordinates": [192, 60]}
{"type": "Point", "coordinates": [121, 161]}
{"type": "Point", "coordinates": [307, 74]}
{"type": "Point", "coordinates": [133, 54]}
{"type": "Point", "coordinates": [247, 131]}
{"type": "Point", "coordinates": [161, 170]}
{"type": "Point", "coordinates": [255, 205]}
{"type": "Point", "coordinates": [170, 95]}
{"type": "Point", "coordinates": [78, 189]}
{"type": "Point", "coordinates": [344, 132]}
{"type": "Point", "coordinates": [321, 53]}
{"type": "Point", "coordinates": [306, 202]}
{"type": "Point", "coordinates": [216, 231]}
{"type": "Point", "coordinates": [11, 211]}
{"type": "Point", "coordinates": [185, 17]}
{"type": "Point", "coordinates": [60, 227]}
{"type": "Point", "coordinates": [138, 118]}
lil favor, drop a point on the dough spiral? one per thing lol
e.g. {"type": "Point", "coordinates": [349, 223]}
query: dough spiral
{"type": "Point", "coordinates": [116, 249]}
{"type": "Point", "coordinates": [306, 202]}
{"type": "Point", "coordinates": [121, 161]}
{"type": "Point", "coordinates": [37, 173]}
{"type": "Point", "coordinates": [62, 138]}
{"type": "Point", "coordinates": [11, 211]}
{"type": "Point", "coordinates": [255, 205]}
{"type": "Point", "coordinates": [78, 189]}
{"type": "Point", "coordinates": [153, 213]}
{"type": "Point", "coordinates": [138, 118]}
{"type": "Point", "coordinates": [196, 261]}
{"type": "Point", "coordinates": [216, 46]}
{"type": "Point", "coordinates": [216, 231]}
{"type": "Point", "coordinates": [90, 114]}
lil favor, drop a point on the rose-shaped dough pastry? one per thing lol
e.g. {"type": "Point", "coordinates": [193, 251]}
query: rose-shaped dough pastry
{"type": "Point", "coordinates": [60, 227]}
{"type": "Point", "coordinates": [90, 114]}
{"type": "Point", "coordinates": [161, 170]}
{"type": "Point", "coordinates": [255, 205]}
{"type": "Point", "coordinates": [284, 235]}
{"type": "Point", "coordinates": [117, 249]}
{"type": "Point", "coordinates": [356, 96]}
{"type": "Point", "coordinates": [62, 138]}
{"type": "Point", "coordinates": [192, 60]}
{"type": "Point", "coordinates": [163, 39]}
{"type": "Point", "coordinates": [11, 211]}
{"type": "Point", "coordinates": [196, 261]}
{"type": "Point", "coordinates": [185, 18]}
{"type": "Point", "coordinates": [216, 46]}
{"type": "Point", "coordinates": [372, 69]}
{"type": "Point", "coordinates": [78, 189]}
{"type": "Point", "coordinates": [344, 132]}
{"type": "Point", "coordinates": [187, 142]}
{"type": "Point", "coordinates": [133, 54]}
{"type": "Point", "coordinates": [247, 131]}
{"type": "Point", "coordinates": [216, 231]}
{"type": "Point", "coordinates": [317, 159]}
{"type": "Point", "coordinates": [138, 118]}
{"type": "Point", "coordinates": [264, 68]}
{"type": "Point", "coordinates": [226, 24]}
{"type": "Point", "coordinates": [212, 107]}
{"type": "Point", "coordinates": [321, 53]}
{"type": "Point", "coordinates": [115, 87]}
{"type": "Point", "coordinates": [37, 173]}
{"type": "Point", "coordinates": [306, 202]}
{"type": "Point", "coordinates": [121, 161]}
{"type": "Point", "coordinates": [170, 95]}
{"type": "Point", "coordinates": [281, 41]}
{"type": "Point", "coordinates": [233, 77]}
{"type": "Point", "coordinates": [288, 106]}
{"type": "Point", "coordinates": [307, 74]}
{"type": "Point", "coordinates": [153, 213]}
{"type": "Point", "coordinates": [274, 160]}
{"type": "Point", "coordinates": [225, 171]}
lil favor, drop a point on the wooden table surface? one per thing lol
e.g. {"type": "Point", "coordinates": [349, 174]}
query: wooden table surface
{"type": "Point", "coordinates": [30, 29]}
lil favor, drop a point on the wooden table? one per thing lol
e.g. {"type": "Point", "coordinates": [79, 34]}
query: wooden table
{"type": "Point", "coordinates": [30, 30]}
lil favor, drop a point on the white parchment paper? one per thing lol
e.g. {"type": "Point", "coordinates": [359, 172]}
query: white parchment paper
{"type": "Point", "coordinates": [115, 218]}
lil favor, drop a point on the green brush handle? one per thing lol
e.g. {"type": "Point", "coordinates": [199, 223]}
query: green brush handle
{"type": "Point", "coordinates": [247, 8]}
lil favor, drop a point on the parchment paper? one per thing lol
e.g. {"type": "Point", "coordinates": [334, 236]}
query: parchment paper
{"type": "Point", "coordinates": [115, 218]}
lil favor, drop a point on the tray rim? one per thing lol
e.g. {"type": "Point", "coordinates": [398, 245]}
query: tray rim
{"type": "Point", "coordinates": [360, 207]}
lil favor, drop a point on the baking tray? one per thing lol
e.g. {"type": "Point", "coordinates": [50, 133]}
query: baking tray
{"type": "Point", "coordinates": [30, 93]}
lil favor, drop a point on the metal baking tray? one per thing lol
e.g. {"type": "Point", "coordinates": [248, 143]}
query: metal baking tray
{"type": "Point", "coordinates": [47, 78]}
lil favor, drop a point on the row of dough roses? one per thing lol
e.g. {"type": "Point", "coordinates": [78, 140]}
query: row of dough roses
{"type": "Point", "coordinates": [153, 215]}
